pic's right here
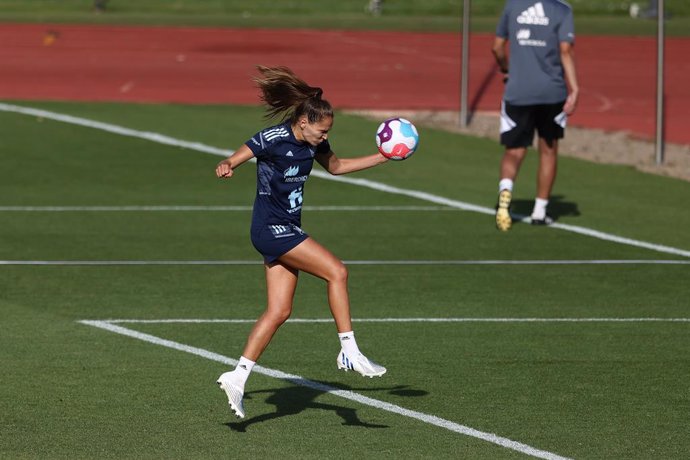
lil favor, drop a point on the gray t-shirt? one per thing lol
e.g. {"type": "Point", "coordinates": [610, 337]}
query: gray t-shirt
{"type": "Point", "coordinates": [534, 30]}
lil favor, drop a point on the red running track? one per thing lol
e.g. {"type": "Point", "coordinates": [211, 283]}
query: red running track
{"type": "Point", "coordinates": [357, 69]}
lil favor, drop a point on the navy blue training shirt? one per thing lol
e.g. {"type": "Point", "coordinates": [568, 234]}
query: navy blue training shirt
{"type": "Point", "coordinates": [282, 167]}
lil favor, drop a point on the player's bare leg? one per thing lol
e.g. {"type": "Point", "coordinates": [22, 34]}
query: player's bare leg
{"type": "Point", "coordinates": [309, 256]}
{"type": "Point", "coordinates": [281, 282]}
{"type": "Point", "coordinates": [548, 165]}
{"type": "Point", "coordinates": [511, 162]}
{"type": "Point", "coordinates": [510, 166]}
{"type": "Point", "coordinates": [546, 176]}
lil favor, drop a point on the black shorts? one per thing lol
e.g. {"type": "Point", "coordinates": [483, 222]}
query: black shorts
{"type": "Point", "coordinates": [518, 123]}
{"type": "Point", "coordinates": [272, 241]}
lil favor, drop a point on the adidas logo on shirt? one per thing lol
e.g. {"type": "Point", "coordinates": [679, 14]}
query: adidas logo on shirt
{"type": "Point", "coordinates": [534, 15]}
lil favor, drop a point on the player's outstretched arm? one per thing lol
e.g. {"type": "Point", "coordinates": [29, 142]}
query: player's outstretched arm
{"type": "Point", "coordinates": [338, 166]}
{"type": "Point", "coordinates": [226, 168]}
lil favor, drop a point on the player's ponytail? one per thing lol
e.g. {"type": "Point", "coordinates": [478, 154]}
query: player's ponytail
{"type": "Point", "coordinates": [289, 97]}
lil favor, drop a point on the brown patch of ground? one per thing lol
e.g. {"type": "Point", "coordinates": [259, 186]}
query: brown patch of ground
{"type": "Point", "coordinates": [588, 144]}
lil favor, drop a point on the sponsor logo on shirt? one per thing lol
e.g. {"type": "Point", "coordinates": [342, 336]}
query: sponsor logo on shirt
{"type": "Point", "coordinates": [291, 171]}
{"type": "Point", "coordinates": [534, 15]}
{"type": "Point", "coordinates": [523, 38]}
{"type": "Point", "coordinates": [290, 175]}
{"type": "Point", "coordinates": [295, 199]}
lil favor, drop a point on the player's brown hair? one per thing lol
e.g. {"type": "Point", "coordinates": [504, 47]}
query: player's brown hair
{"type": "Point", "coordinates": [288, 96]}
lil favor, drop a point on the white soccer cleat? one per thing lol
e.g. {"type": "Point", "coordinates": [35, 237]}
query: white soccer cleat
{"type": "Point", "coordinates": [361, 364]}
{"type": "Point", "coordinates": [234, 393]}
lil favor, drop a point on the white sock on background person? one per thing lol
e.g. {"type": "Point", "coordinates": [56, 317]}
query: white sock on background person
{"type": "Point", "coordinates": [505, 184]}
{"type": "Point", "coordinates": [348, 343]}
{"type": "Point", "coordinates": [539, 211]}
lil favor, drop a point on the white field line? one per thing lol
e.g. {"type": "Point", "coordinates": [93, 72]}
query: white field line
{"type": "Point", "coordinates": [350, 395]}
{"type": "Point", "coordinates": [114, 129]}
{"type": "Point", "coordinates": [347, 262]}
{"type": "Point", "coordinates": [424, 196]}
{"type": "Point", "coordinates": [406, 320]}
{"type": "Point", "coordinates": [211, 208]}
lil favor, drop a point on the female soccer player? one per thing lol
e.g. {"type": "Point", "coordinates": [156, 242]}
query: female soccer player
{"type": "Point", "coordinates": [285, 154]}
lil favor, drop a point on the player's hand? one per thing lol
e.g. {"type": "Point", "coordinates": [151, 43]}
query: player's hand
{"type": "Point", "coordinates": [223, 170]}
{"type": "Point", "coordinates": [570, 103]}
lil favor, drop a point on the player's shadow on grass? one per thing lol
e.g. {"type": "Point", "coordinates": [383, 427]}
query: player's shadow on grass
{"type": "Point", "coordinates": [558, 208]}
{"type": "Point", "coordinates": [294, 399]}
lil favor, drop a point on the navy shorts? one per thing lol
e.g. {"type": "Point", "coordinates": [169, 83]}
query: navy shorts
{"type": "Point", "coordinates": [272, 241]}
{"type": "Point", "coordinates": [518, 123]}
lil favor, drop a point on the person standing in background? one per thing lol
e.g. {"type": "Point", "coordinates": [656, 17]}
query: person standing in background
{"type": "Point", "coordinates": [375, 7]}
{"type": "Point", "coordinates": [99, 5]}
{"type": "Point", "coordinates": [534, 48]}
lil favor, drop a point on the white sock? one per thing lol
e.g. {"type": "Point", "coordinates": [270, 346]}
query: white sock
{"type": "Point", "coordinates": [539, 211]}
{"type": "Point", "coordinates": [243, 369]}
{"type": "Point", "coordinates": [348, 343]}
{"type": "Point", "coordinates": [505, 184]}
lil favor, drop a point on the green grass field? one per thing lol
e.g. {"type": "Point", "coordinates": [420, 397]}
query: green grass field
{"type": "Point", "coordinates": [585, 386]}
{"type": "Point", "coordinates": [592, 16]}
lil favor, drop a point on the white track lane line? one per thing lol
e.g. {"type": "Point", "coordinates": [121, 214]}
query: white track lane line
{"type": "Point", "coordinates": [407, 320]}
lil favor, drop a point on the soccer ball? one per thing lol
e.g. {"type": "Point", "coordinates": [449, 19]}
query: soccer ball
{"type": "Point", "coordinates": [397, 138]}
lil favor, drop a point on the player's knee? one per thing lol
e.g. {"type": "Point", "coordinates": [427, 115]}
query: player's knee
{"type": "Point", "coordinates": [516, 154]}
{"type": "Point", "coordinates": [338, 273]}
{"type": "Point", "coordinates": [278, 315]}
